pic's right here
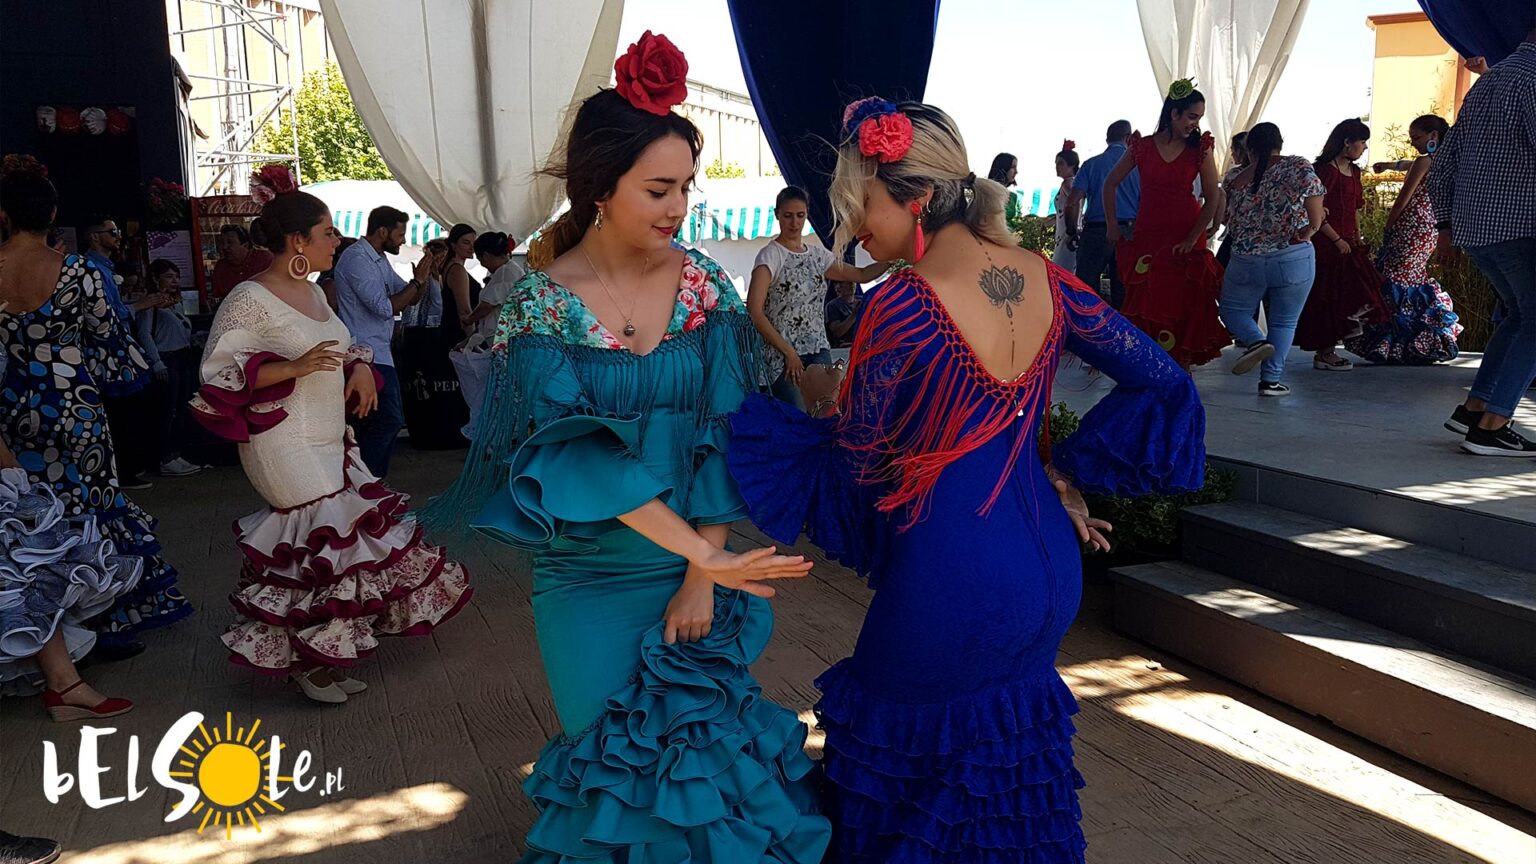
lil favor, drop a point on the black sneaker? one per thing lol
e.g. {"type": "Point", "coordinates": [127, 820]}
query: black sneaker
{"type": "Point", "coordinates": [136, 483]}
{"type": "Point", "coordinates": [27, 850]}
{"type": "Point", "coordinates": [1273, 388]}
{"type": "Point", "coordinates": [1256, 353]}
{"type": "Point", "coordinates": [1498, 442]}
{"type": "Point", "coordinates": [1462, 420]}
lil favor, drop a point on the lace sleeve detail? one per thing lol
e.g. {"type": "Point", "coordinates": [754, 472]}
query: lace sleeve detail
{"type": "Point", "coordinates": [1148, 434]}
{"type": "Point", "coordinates": [229, 404]}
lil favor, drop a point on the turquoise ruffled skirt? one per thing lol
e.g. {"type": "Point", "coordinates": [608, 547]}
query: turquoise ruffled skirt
{"type": "Point", "coordinates": [686, 761]}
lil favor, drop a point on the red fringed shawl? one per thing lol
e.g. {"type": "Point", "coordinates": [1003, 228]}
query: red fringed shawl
{"type": "Point", "coordinates": [954, 406]}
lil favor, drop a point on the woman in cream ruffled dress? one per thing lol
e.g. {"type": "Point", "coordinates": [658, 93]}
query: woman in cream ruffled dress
{"type": "Point", "coordinates": [335, 560]}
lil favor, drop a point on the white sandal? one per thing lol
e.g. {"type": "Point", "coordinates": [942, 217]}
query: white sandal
{"type": "Point", "coordinates": [330, 694]}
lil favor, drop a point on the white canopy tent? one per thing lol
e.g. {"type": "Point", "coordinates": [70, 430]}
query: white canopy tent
{"type": "Point", "coordinates": [466, 98]}
{"type": "Point", "coordinates": [1235, 51]}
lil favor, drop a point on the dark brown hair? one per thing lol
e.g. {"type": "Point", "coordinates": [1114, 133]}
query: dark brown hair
{"type": "Point", "coordinates": [26, 194]}
{"type": "Point", "coordinates": [606, 138]}
{"type": "Point", "coordinates": [288, 214]}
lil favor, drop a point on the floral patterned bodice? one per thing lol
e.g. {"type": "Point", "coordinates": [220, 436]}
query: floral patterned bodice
{"type": "Point", "coordinates": [545, 307]}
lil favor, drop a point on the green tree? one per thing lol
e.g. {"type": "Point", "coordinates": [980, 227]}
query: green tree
{"type": "Point", "coordinates": [718, 170]}
{"type": "Point", "coordinates": [333, 142]}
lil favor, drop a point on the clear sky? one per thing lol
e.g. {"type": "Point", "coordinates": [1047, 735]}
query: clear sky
{"type": "Point", "coordinates": [1054, 69]}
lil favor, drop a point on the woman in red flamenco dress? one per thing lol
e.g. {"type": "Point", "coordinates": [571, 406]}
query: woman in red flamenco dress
{"type": "Point", "coordinates": [1347, 293]}
{"type": "Point", "coordinates": [1172, 281]}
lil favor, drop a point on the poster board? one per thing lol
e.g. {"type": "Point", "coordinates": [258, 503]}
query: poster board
{"type": "Point", "coordinates": [209, 214]}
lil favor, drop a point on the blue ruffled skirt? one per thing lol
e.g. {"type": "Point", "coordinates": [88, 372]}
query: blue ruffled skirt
{"type": "Point", "coordinates": [948, 731]}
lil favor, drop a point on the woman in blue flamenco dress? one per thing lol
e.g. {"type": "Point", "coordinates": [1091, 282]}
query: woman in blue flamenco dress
{"type": "Point", "coordinates": [601, 449]}
{"type": "Point", "coordinates": [948, 731]}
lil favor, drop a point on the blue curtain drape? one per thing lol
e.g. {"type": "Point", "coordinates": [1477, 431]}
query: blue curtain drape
{"type": "Point", "coordinates": [805, 59]}
{"type": "Point", "coordinates": [1481, 28]}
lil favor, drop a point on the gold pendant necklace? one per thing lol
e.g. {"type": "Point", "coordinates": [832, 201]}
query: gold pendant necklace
{"type": "Point", "coordinates": [629, 319]}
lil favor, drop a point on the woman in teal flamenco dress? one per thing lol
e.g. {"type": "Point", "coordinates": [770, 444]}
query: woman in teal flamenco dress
{"type": "Point", "coordinates": [601, 449]}
{"type": "Point", "coordinates": [948, 731]}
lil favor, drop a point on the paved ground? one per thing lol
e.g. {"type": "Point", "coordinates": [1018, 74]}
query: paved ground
{"type": "Point", "coordinates": [1181, 766]}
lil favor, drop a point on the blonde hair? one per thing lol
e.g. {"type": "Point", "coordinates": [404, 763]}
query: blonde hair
{"type": "Point", "coordinates": [937, 160]}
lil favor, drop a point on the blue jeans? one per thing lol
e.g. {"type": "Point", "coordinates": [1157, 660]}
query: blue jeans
{"type": "Point", "coordinates": [377, 432]}
{"type": "Point", "coordinates": [1509, 361]}
{"type": "Point", "coordinates": [1282, 280]}
{"type": "Point", "coordinates": [786, 391]}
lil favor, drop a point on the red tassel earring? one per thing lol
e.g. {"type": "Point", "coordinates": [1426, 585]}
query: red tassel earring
{"type": "Point", "coordinates": [917, 243]}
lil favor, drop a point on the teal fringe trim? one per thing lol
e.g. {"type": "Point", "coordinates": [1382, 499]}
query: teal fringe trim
{"type": "Point", "coordinates": [537, 379]}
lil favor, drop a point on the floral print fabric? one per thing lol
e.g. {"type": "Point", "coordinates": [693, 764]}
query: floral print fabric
{"type": "Point", "coordinates": [1266, 221]}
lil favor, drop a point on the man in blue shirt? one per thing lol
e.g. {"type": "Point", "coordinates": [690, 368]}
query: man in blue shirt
{"type": "Point", "coordinates": [103, 240]}
{"type": "Point", "coordinates": [130, 416]}
{"type": "Point", "coordinates": [1094, 254]}
{"type": "Point", "coordinates": [368, 294]}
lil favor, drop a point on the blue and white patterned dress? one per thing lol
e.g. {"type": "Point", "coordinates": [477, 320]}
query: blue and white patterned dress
{"type": "Point", "coordinates": [60, 358]}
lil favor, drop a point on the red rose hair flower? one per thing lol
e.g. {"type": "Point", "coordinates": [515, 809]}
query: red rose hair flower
{"type": "Point", "coordinates": [887, 137]}
{"type": "Point", "coordinates": [652, 75]}
{"type": "Point", "coordinates": [272, 181]}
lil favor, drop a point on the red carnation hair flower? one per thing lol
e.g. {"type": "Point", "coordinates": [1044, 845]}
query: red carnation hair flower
{"type": "Point", "coordinates": [887, 137]}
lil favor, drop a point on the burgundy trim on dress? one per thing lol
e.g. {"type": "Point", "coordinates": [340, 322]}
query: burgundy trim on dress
{"type": "Point", "coordinates": [233, 417]}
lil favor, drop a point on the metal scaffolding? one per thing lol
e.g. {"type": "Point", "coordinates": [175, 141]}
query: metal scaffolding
{"type": "Point", "coordinates": [244, 106]}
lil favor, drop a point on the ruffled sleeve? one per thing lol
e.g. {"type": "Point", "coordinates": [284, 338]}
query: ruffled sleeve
{"type": "Point", "coordinates": [730, 364]}
{"type": "Point", "coordinates": [824, 476]}
{"type": "Point", "coordinates": [1148, 434]}
{"type": "Point", "coordinates": [549, 469]}
{"type": "Point", "coordinates": [795, 478]}
{"type": "Point", "coordinates": [113, 358]}
{"type": "Point", "coordinates": [229, 404]}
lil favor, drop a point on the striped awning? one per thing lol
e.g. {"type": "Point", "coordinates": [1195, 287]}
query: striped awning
{"type": "Point", "coordinates": [1040, 201]}
{"type": "Point", "coordinates": [730, 223]}
{"type": "Point", "coordinates": [419, 228]}
{"type": "Point", "coordinates": [704, 222]}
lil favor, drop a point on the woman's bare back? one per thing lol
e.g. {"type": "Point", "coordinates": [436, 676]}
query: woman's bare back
{"type": "Point", "coordinates": [29, 274]}
{"type": "Point", "coordinates": [999, 298]}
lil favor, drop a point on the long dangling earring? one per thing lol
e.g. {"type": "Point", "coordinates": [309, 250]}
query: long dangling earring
{"type": "Point", "coordinates": [298, 266]}
{"type": "Point", "coordinates": [598, 222]}
{"type": "Point", "coordinates": [918, 244]}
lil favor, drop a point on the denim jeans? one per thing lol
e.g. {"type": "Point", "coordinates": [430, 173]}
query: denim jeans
{"type": "Point", "coordinates": [1282, 280]}
{"type": "Point", "coordinates": [1095, 256]}
{"type": "Point", "coordinates": [786, 391]}
{"type": "Point", "coordinates": [377, 432]}
{"type": "Point", "coordinates": [174, 392]}
{"type": "Point", "coordinates": [1509, 361]}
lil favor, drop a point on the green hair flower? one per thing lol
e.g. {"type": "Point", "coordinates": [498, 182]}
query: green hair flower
{"type": "Point", "coordinates": [1181, 89]}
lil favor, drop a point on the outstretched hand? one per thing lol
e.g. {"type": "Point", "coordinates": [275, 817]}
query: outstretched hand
{"type": "Point", "coordinates": [749, 571]}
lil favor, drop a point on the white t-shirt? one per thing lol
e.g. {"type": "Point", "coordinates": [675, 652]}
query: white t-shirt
{"type": "Point", "coordinates": [797, 298]}
{"type": "Point", "coordinates": [495, 291]}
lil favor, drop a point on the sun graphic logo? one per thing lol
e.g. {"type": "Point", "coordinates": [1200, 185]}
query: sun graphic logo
{"type": "Point", "coordinates": [227, 769]}
{"type": "Point", "coordinates": [226, 774]}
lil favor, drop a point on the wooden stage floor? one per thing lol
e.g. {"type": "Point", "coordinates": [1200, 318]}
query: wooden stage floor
{"type": "Point", "coordinates": [1181, 766]}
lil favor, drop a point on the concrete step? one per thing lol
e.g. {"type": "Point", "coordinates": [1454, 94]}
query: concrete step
{"type": "Point", "coordinates": [1450, 516]}
{"type": "Point", "coordinates": [1445, 711]}
{"type": "Point", "coordinates": [1477, 608]}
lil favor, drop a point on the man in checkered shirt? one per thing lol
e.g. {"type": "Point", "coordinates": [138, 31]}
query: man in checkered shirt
{"type": "Point", "coordinates": [1483, 185]}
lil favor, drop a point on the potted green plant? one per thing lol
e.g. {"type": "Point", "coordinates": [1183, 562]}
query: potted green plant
{"type": "Point", "coordinates": [1146, 528]}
